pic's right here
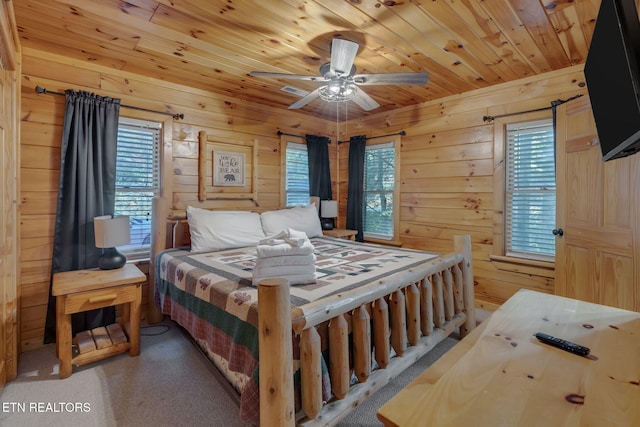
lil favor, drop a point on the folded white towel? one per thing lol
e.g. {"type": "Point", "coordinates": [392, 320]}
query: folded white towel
{"type": "Point", "coordinates": [293, 279]}
{"type": "Point", "coordinates": [287, 255]}
{"type": "Point", "coordinates": [291, 236]}
{"type": "Point", "coordinates": [284, 249]}
{"type": "Point", "coordinates": [276, 261]}
{"type": "Point", "coordinates": [284, 270]}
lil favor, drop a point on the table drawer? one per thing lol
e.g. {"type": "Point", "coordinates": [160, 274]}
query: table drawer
{"type": "Point", "coordinates": [85, 301]}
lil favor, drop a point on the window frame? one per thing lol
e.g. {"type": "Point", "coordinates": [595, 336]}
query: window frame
{"type": "Point", "coordinates": [296, 146]}
{"type": "Point", "coordinates": [141, 252]}
{"type": "Point", "coordinates": [284, 141]}
{"type": "Point", "coordinates": [509, 241]}
{"type": "Point", "coordinates": [499, 256]}
{"type": "Point", "coordinates": [395, 141]}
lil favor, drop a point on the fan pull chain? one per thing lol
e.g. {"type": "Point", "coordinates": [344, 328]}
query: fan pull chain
{"type": "Point", "coordinates": [337, 122]}
{"type": "Point", "coordinates": [346, 119]}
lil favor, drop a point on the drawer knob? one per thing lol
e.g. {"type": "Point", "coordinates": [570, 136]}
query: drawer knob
{"type": "Point", "coordinates": [102, 298]}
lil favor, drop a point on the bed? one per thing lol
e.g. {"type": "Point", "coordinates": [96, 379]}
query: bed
{"type": "Point", "coordinates": [309, 353]}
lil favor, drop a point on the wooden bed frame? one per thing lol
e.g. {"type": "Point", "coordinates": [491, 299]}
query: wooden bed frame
{"type": "Point", "coordinates": [395, 322]}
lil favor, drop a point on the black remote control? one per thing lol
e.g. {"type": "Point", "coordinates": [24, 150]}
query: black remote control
{"type": "Point", "coordinates": [565, 345]}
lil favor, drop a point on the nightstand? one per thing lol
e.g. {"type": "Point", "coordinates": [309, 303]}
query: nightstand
{"type": "Point", "coordinates": [83, 290]}
{"type": "Point", "coordinates": [341, 233]}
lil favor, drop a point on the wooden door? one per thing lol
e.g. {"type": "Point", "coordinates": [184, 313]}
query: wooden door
{"type": "Point", "coordinates": [597, 211]}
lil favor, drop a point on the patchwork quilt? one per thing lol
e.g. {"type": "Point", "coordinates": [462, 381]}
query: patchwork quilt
{"type": "Point", "coordinates": [211, 295]}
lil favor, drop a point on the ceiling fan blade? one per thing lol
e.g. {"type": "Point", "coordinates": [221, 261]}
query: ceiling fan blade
{"type": "Point", "coordinates": [391, 79]}
{"type": "Point", "coordinates": [305, 99]}
{"type": "Point", "coordinates": [343, 53]}
{"type": "Point", "coordinates": [287, 76]}
{"type": "Point", "coordinates": [365, 102]}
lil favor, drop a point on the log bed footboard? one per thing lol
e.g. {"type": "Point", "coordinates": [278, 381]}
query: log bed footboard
{"type": "Point", "coordinates": [396, 323]}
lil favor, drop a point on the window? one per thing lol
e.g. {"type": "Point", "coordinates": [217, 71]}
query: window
{"type": "Point", "coordinates": [530, 196]}
{"type": "Point", "coordinates": [137, 180]}
{"type": "Point", "coordinates": [379, 191]}
{"type": "Point", "coordinates": [296, 175]}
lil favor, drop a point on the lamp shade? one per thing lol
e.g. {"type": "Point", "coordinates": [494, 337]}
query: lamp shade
{"type": "Point", "coordinates": [329, 209]}
{"type": "Point", "coordinates": [111, 231]}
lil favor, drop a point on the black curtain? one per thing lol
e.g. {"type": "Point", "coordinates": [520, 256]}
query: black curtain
{"type": "Point", "coordinates": [86, 189]}
{"type": "Point", "coordinates": [355, 191]}
{"type": "Point", "coordinates": [319, 168]}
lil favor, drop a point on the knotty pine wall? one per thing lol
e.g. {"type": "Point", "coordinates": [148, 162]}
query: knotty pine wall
{"type": "Point", "coordinates": [41, 121]}
{"type": "Point", "coordinates": [449, 171]}
{"type": "Point", "coordinates": [451, 175]}
{"type": "Point", "coordinates": [9, 240]}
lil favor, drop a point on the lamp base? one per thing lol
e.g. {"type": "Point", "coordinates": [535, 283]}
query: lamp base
{"type": "Point", "coordinates": [326, 223]}
{"type": "Point", "coordinates": [111, 259]}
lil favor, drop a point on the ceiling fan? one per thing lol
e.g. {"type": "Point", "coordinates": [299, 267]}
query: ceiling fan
{"type": "Point", "coordinates": [340, 80]}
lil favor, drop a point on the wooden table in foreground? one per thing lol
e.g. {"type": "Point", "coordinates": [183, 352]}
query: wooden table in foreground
{"type": "Point", "coordinates": [501, 375]}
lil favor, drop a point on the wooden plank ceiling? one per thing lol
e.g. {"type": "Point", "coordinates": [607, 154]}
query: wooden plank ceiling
{"type": "Point", "coordinates": [214, 44]}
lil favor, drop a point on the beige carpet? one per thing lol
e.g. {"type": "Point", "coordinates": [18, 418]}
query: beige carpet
{"type": "Point", "coordinates": [169, 384]}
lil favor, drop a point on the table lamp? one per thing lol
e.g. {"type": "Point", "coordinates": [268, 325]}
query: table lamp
{"type": "Point", "coordinates": [111, 231]}
{"type": "Point", "coordinates": [328, 212]}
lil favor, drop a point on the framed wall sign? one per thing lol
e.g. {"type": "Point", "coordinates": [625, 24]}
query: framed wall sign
{"type": "Point", "coordinates": [226, 170]}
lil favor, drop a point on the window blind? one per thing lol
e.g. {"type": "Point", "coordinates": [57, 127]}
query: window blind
{"type": "Point", "coordinates": [530, 198]}
{"type": "Point", "coordinates": [137, 178]}
{"type": "Point", "coordinates": [379, 183]}
{"type": "Point", "coordinates": [297, 174]}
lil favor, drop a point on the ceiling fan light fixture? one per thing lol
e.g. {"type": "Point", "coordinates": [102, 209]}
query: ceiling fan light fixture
{"type": "Point", "coordinates": [338, 92]}
{"type": "Point", "coordinates": [341, 83]}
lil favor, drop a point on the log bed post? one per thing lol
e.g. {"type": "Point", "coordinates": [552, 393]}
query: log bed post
{"type": "Point", "coordinates": [274, 340]}
{"type": "Point", "coordinates": [158, 243]}
{"type": "Point", "coordinates": [339, 356]}
{"type": "Point", "coordinates": [462, 244]}
{"type": "Point", "coordinates": [380, 317]}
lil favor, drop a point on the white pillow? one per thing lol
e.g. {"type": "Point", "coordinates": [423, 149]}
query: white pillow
{"type": "Point", "coordinates": [218, 230]}
{"type": "Point", "coordinates": [301, 218]}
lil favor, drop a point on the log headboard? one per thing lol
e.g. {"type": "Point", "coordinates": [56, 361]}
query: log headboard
{"type": "Point", "coordinates": [178, 233]}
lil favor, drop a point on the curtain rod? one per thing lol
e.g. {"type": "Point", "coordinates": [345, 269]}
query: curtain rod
{"type": "Point", "coordinates": [403, 133]}
{"type": "Point", "coordinates": [553, 105]}
{"type": "Point", "coordinates": [175, 116]}
{"type": "Point", "coordinates": [280, 133]}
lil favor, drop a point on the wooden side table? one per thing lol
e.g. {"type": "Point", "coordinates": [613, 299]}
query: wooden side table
{"type": "Point", "coordinates": [341, 233]}
{"type": "Point", "coordinates": [83, 290]}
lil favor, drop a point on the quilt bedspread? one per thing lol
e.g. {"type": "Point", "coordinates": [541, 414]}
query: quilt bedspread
{"type": "Point", "coordinates": [211, 295]}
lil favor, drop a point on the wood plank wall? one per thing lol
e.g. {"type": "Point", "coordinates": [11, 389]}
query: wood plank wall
{"type": "Point", "coordinates": [448, 170]}
{"type": "Point", "coordinates": [41, 121]}
{"type": "Point", "coordinates": [451, 174]}
{"type": "Point", "coordinates": [9, 143]}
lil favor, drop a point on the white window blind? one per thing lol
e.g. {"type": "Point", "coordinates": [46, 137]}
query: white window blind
{"type": "Point", "coordinates": [379, 183]}
{"type": "Point", "coordinates": [297, 174]}
{"type": "Point", "coordinates": [137, 180]}
{"type": "Point", "coordinates": [530, 199]}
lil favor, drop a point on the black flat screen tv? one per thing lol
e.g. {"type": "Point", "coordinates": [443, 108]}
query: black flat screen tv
{"type": "Point", "coordinates": [612, 74]}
